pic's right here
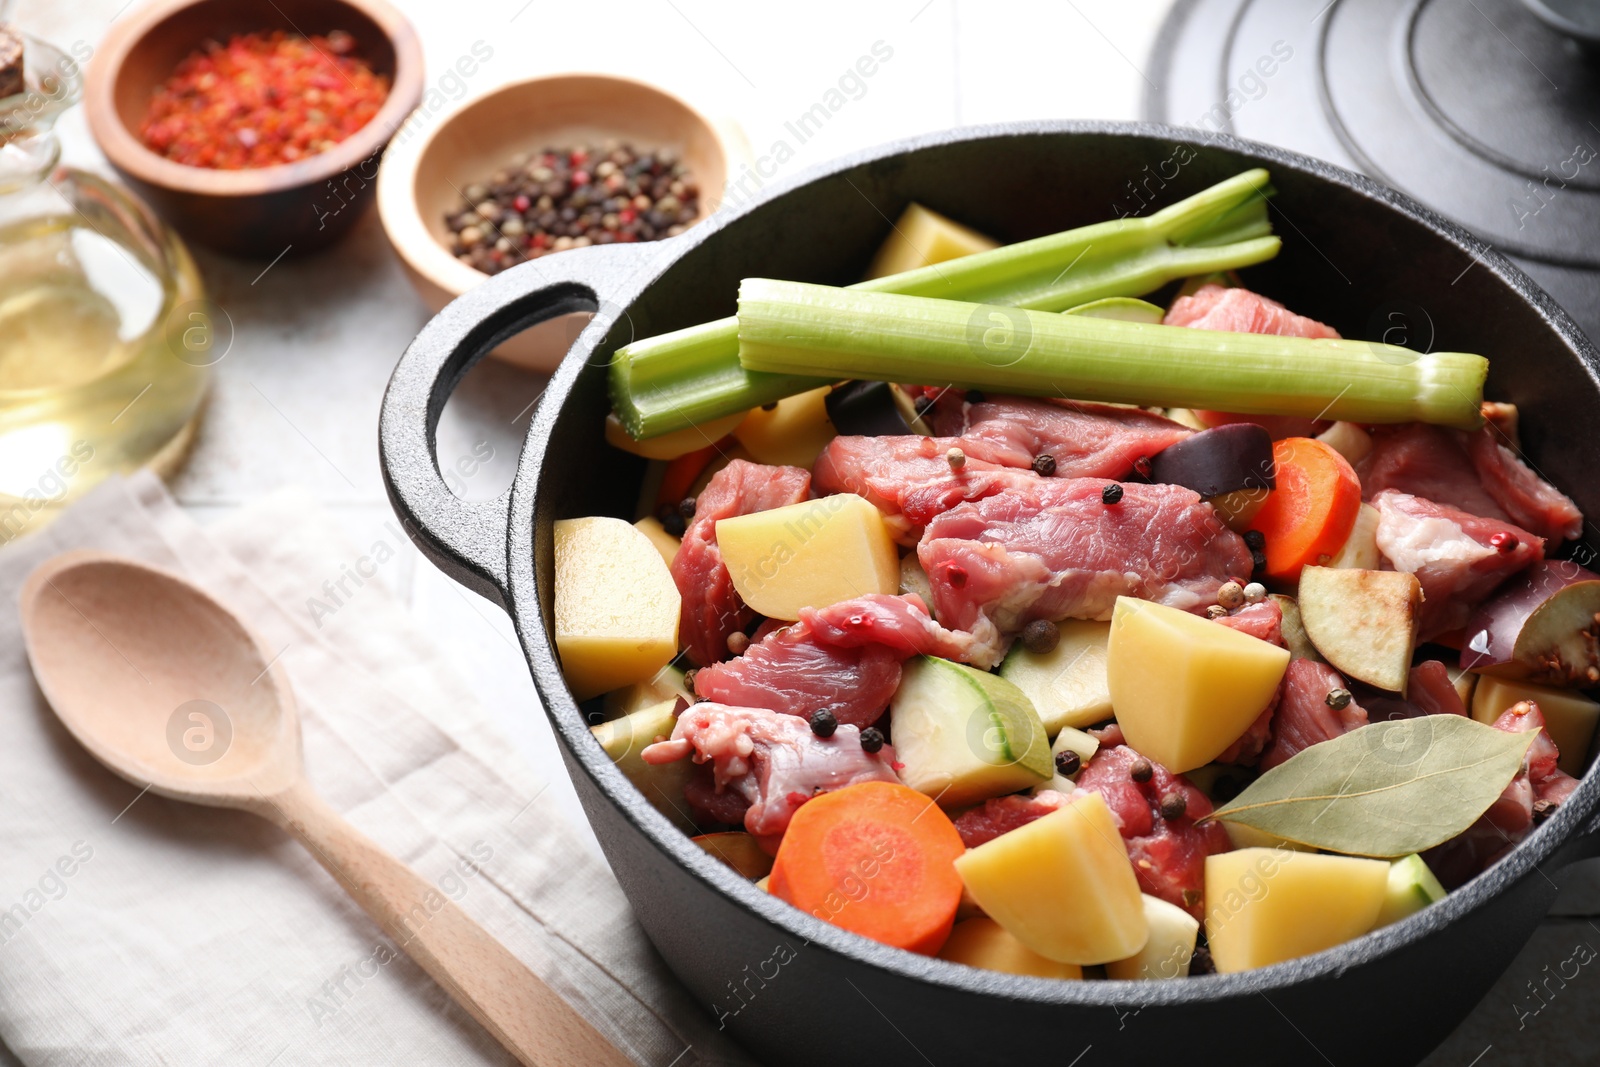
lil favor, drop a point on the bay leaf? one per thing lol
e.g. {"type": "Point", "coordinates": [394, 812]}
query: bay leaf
{"type": "Point", "coordinates": [1384, 790]}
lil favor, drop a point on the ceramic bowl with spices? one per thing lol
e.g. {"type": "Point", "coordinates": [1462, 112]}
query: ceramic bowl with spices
{"type": "Point", "coordinates": [254, 126]}
{"type": "Point", "coordinates": [541, 166]}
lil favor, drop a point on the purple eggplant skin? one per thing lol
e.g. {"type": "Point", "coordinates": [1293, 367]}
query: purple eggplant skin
{"type": "Point", "coordinates": [1490, 640]}
{"type": "Point", "coordinates": [1220, 460]}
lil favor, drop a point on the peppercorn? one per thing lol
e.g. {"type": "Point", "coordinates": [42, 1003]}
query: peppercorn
{"type": "Point", "coordinates": [823, 723]}
{"type": "Point", "coordinates": [686, 508]}
{"type": "Point", "coordinates": [672, 522]}
{"type": "Point", "coordinates": [1044, 464]}
{"type": "Point", "coordinates": [738, 642]}
{"type": "Point", "coordinates": [1255, 593]}
{"type": "Point", "coordinates": [1068, 763]}
{"type": "Point", "coordinates": [770, 406]}
{"type": "Point", "coordinates": [1216, 611]}
{"type": "Point", "coordinates": [688, 680]}
{"type": "Point", "coordinates": [1258, 561]}
{"type": "Point", "coordinates": [1505, 541]}
{"type": "Point", "coordinates": [956, 458]}
{"type": "Point", "coordinates": [1173, 805]}
{"type": "Point", "coordinates": [1255, 539]}
{"type": "Point", "coordinates": [1041, 636]}
{"type": "Point", "coordinates": [1338, 699]}
{"type": "Point", "coordinates": [1231, 595]}
{"type": "Point", "coordinates": [1111, 494]}
{"type": "Point", "coordinates": [923, 405]}
{"type": "Point", "coordinates": [1200, 962]}
{"type": "Point", "coordinates": [871, 739]}
{"type": "Point", "coordinates": [975, 396]}
{"type": "Point", "coordinates": [1141, 771]}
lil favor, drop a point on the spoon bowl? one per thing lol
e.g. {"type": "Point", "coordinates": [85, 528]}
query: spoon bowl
{"type": "Point", "coordinates": [166, 687]}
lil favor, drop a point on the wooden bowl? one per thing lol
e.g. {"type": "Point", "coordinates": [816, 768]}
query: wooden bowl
{"type": "Point", "coordinates": [422, 180]}
{"type": "Point", "coordinates": [267, 210]}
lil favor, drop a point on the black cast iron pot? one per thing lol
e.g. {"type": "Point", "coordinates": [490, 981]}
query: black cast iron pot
{"type": "Point", "coordinates": [1356, 255]}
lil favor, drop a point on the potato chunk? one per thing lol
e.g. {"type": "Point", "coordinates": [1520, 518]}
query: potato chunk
{"type": "Point", "coordinates": [1062, 885]}
{"type": "Point", "coordinates": [982, 942]}
{"type": "Point", "coordinates": [1266, 905]}
{"type": "Point", "coordinates": [922, 238]}
{"type": "Point", "coordinates": [1364, 622]}
{"type": "Point", "coordinates": [665, 543]}
{"type": "Point", "coordinates": [792, 434]}
{"type": "Point", "coordinates": [1184, 688]}
{"type": "Point", "coordinates": [1569, 716]}
{"type": "Point", "coordinates": [809, 555]}
{"type": "Point", "coordinates": [1173, 932]}
{"type": "Point", "coordinates": [616, 605]}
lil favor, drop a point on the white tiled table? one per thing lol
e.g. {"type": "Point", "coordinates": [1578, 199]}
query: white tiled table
{"type": "Point", "coordinates": [296, 399]}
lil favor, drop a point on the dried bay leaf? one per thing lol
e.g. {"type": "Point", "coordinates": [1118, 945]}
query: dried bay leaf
{"type": "Point", "coordinates": [1387, 789]}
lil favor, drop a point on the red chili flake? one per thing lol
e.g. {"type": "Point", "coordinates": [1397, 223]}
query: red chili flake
{"type": "Point", "coordinates": [579, 177]}
{"type": "Point", "coordinates": [263, 99]}
{"type": "Point", "coordinates": [627, 214]}
{"type": "Point", "coordinates": [522, 203]}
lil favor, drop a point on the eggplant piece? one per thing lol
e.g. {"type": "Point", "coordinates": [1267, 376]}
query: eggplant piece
{"type": "Point", "coordinates": [1220, 460]}
{"type": "Point", "coordinates": [1543, 625]}
{"type": "Point", "coordinates": [873, 409]}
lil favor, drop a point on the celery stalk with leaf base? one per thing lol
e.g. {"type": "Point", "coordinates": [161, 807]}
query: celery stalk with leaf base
{"type": "Point", "coordinates": [832, 333]}
{"type": "Point", "coordinates": [690, 376]}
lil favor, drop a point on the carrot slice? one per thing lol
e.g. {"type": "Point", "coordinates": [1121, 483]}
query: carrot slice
{"type": "Point", "coordinates": [878, 859]}
{"type": "Point", "coordinates": [681, 473]}
{"type": "Point", "coordinates": [1309, 515]}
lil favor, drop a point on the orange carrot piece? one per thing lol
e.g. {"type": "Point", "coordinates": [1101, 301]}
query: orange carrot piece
{"type": "Point", "coordinates": [682, 472]}
{"type": "Point", "coordinates": [1309, 515]}
{"type": "Point", "coordinates": [876, 858]}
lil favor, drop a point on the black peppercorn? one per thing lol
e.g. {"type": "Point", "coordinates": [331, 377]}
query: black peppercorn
{"type": "Point", "coordinates": [1068, 763]}
{"type": "Point", "coordinates": [1044, 464]}
{"type": "Point", "coordinates": [1141, 771]}
{"type": "Point", "coordinates": [823, 723]}
{"type": "Point", "coordinates": [923, 405]}
{"type": "Point", "coordinates": [1200, 963]}
{"type": "Point", "coordinates": [1041, 636]}
{"type": "Point", "coordinates": [1173, 805]}
{"type": "Point", "coordinates": [975, 396]}
{"type": "Point", "coordinates": [670, 520]}
{"type": "Point", "coordinates": [1258, 560]}
{"type": "Point", "coordinates": [1111, 494]}
{"type": "Point", "coordinates": [871, 739]}
{"type": "Point", "coordinates": [1255, 539]}
{"type": "Point", "coordinates": [686, 508]}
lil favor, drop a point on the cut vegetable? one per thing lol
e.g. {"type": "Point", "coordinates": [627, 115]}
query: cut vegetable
{"type": "Point", "coordinates": [1541, 625]}
{"type": "Point", "coordinates": [982, 942]}
{"type": "Point", "coordinates": [665, 543]}
{"type": "Point", "coordinates": [792, 433]}
{"type": "Point", "coordinates": [616, 610]}
{"type": "Point", "coordinates": [1294, 630]}
{"type": "Point", "coordinates": [875, 858]}
{"type": "Point", "coordinates": [1071, 740]}
{"type": "Point", "coordinates": [1167, 953]}
{"type": "Point", "coordinates": [1360, 549]}
{"type": "Point", "coordinates": [1066, 685]}
{"type": "Point", "coordinates": [1363, 622]}
{"type": "Point", "coordinates": [1349, 440]}
{"type": "Point", "coordinates": [1309, 516]}
{"type": "Point", "coordinates": [662, 784]}
{"type": "Point", "coordinates": [1239, 509]}
{"type": "Point", "coordinates": [1062, 885]}
{"type": "Point", "coordinates": [1411, 887]}
{"type": "Point", "coordinates": [1121, 308]}
{"type": "Point", "coordinates": [1570, 717]}
{"type": "Point", "coordinates": [913, 579]}
{"type": "Point", "coordinates": [797, 328]}
{"type": "Point", "coordinates": [873, 409]}
{"type": "Point", "coordinates": [1264, 905]}
{"type": "Point", "coordinates": [676, 380]}
{"type": "Point", "coordinates": [666, 684]}
{"type": "Point", "coordinates": [1243, 836]}
{"type": "Point", "coordinates": [681, 474]}
{"type": "Point", "coordinates": [1217, 461]}
{"type": "Point", "coordinates": [1183, 687]}
{"type": "Point", "coordinates": [739, 851]}
{"type": "Point", "coordinates": [964, 735]}
{"type": "Point", "coordinates": [922, 237]}
{"type": "Point", "coordinates": [672, 445]}
{"type": "Point", "coordinates": [809, 555]}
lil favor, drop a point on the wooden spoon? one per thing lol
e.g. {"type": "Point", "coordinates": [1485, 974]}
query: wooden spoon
{"type": "Point", "coordinates": [168, 689]}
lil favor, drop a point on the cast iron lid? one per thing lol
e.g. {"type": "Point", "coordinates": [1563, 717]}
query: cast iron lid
{"type": "Point", "coordinates": [1482, 109]}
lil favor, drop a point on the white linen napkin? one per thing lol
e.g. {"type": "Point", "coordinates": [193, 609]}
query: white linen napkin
{"type": "Point", "coordinates": [138, 930]}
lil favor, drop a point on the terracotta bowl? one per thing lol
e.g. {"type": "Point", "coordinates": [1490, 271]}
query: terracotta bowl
{"type": "Point", "coordinates": [261, 212]}
{"type": "Point", "coordinates": [421, 180]}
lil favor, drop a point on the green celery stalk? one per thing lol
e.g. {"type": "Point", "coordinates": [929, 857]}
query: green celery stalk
{"type": "Point", "coordinates": [687, 377]}
{"type": "Point", "coordinates": [832, 333]}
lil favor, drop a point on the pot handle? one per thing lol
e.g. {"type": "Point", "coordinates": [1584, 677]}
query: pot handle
{"type": "Point", "coordinates": [467, 539]}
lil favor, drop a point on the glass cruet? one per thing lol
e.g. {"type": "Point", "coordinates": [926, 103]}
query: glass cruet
{"type": "Point", "coordinates": [105, 337]}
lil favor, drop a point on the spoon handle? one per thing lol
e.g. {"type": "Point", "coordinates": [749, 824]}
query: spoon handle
{"type": "Point", "coordinates": [515, 1005]}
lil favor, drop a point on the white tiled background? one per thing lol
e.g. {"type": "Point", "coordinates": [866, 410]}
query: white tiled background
{"type": "Point", "coordinates": [296, 399]}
